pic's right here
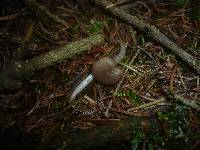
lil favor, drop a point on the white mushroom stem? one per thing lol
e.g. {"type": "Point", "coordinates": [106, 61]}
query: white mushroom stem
{"type": "Point", "coordinates": [81, 86]}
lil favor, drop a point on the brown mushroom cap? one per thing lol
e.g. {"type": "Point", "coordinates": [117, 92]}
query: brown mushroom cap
{"type": "Point", "coordinates": [105, 72]}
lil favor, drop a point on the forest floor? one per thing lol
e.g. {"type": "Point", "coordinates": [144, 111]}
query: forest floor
{"type": "Point", "coordinates": [156, 83]}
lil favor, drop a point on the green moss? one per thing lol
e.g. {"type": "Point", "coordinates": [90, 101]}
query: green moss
{"type": "Point", "coordinates": [175, 121]}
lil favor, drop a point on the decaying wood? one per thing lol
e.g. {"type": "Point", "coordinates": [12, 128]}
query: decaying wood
{"type": "Point", "coordinates": [18, 70]}
{"type": "Point", "coordinates": [106, 132]}
{"type": "Point", "coordinates": [151, 31]}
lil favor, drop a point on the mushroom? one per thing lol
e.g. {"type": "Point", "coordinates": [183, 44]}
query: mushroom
{"type": "Point", "coordinates": [104, 71]}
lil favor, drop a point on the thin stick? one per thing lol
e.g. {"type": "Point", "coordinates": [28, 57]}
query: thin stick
{"type": "Point", "coordinates": [147, 105]}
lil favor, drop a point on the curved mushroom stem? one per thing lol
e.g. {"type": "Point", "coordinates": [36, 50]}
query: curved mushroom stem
{"type": "Point", "coordinates": [122, 52]}
{"type": "Point", "coordinates": [81, 86]}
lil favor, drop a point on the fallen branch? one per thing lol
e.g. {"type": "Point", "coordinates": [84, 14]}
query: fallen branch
{"type": "Point", "coordinates": [151, 31]}
{"type": "Point", "coordinates": [18, 70]}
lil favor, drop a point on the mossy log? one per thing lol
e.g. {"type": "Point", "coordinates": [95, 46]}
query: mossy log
{"type": "Point", "coordinates": [106, 132]}
{"type": "Point", "coordinates": [18, 70]}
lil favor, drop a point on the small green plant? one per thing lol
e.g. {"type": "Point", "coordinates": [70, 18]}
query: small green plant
{"type": "Point", "coordinates": [181, 3]}
{"type": "Point", "coordinates": [137, 139]}
{"type": "Point", "coordinates": [74, 29]}
{"type": "Point", "coordinates": [176, 120]}
{"type": "Point", "coordinates": [57, 107]}
{"type": "Point", "coordinates": [195, 12]}
{"type": "Point", "coordinates": [131, 95]}
{"type": "Point", "coordinates": [95, 27]}
{"type": "Point", "coordinates": [151, 139]}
